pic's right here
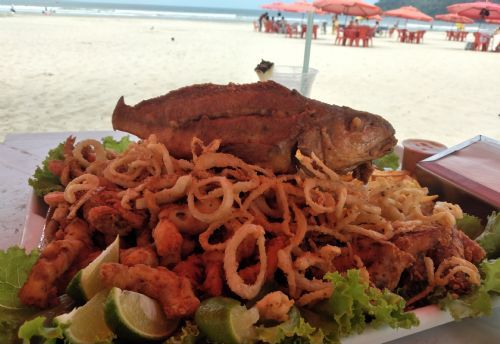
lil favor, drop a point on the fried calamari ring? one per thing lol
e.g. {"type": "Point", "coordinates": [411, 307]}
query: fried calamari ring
{"type": "Point", "coordinates": [234, 281]}
{"type": "Point", "coordinates": [98, 148]}
{"type": "Point", "coordinates": [226, 204]}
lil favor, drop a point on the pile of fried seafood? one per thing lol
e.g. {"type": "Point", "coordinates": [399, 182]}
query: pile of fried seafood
{"type": "Point", "coordinates": [216, 225]}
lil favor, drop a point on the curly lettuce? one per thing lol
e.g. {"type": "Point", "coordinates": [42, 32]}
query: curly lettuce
{"type": "Point", "coordinates": [490, 238]}
{"type": "Point", "coordinates": [15, 265]}
{"type": "Point", "coordinates": [188, 334]}
{"type": "Point", "coordinates": [470, 225]}
{"type": "Point", "coordinates": [118, 146]}
{"type": "Point", "coordinates": [478, 303]}
{"type": "Point", "coordinates": [389, 161]}
{"type": "Point", "coordinates": [36, 328]}
{"type": "Point", "coordinates": [354, 304]}
{"type": "Point", "coordinates": [294, 330]}
{"type": "Point", "coordinates": [43, 181]}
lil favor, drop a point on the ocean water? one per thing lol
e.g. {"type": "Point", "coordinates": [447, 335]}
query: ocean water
{"type": "Point", "coordinates": [74, 8]}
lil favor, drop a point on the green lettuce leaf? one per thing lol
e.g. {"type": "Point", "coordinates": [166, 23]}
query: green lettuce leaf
{"type": "Point", "coordinates": [390, 161]}
{"type": "Point", "coordinates": [118, 146]}
{"type": "Point", "coordinates": [478, 303]}
{"type": "Point", "coordinates": [15, 265]}
{"type": "Point", "coordinates": [354, 304]}
{"type": "Point", "coordinates": [36, 328]}
{"type": "Point", "coordinates": [43, 181]}
{"type": "Point", "coordinates": [294, 330]}
{"type": "Point", "coordinates": [490, 238]}
{"type": "Point", "coordinates": [188, 334]}
{"type": "Point", "coordinates": [10, 320]}
{"type": "Point", "coordinates": [470, 225]}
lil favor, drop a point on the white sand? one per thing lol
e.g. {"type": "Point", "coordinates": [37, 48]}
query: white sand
{"type": "Point", "coordinates": [66, 73]}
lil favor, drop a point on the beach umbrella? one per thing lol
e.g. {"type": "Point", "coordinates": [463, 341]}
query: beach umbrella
{"type": "Point", "coordinates": [301, 7]}
{"type": "Point", "coordinates": [453, 18]}
{"type": "Point", "coordinates": [376, 17]}
{"type": "Point", "coordinates": [348, 7]}
{"type": "Point", "coordinates": [476, 10]}
{"type": "Point", "coordinates": [277, 6]}
{"type": "Point", "coordinates": [408, 12]}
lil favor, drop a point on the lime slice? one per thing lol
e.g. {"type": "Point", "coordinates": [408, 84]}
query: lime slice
{"type": "Point", "coordinates": [136, 317]}
{"type": "Point", "coordinates": [87, 282]}
{"type": "Point", "coordinates": [224, 320]}
{"type": "Point", "coordinates": [85, 324]}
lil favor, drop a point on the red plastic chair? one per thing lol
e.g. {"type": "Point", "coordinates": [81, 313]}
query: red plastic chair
{"type": "Point", "coordinates": [403, 36]}
{"type": "Point", "coordinates": [362, 35]}
{"type": "Point", "coordinates": [419, 36]}
{"type": "Point", "coordinates": [349, 34]}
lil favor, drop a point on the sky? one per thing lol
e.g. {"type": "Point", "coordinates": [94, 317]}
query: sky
{"type": "Point", "coordinates": [250, 4]}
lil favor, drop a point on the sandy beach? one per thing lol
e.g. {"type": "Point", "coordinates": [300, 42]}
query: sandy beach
{"type": "Point", "coordinates": [66, 73]}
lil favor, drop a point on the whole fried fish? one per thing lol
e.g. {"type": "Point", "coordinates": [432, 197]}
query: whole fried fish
{"type": "Point", "coordinates": [263, 123]}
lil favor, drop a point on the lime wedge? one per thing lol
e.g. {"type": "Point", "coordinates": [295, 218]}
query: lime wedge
{"type": "Point", "coordinates": [136, 317]}
{"type": "Point", "coordinates": [87, 282]}
{"type": "Point", "coordinates": [85, 324]}
{"type": "Point", "coordinates": [224, 320]}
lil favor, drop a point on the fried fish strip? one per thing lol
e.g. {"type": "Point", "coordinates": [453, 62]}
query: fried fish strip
{"type": "Point", "coordinates": [175, 293]}
{"type": "Point", "coordinates": [40, 289]}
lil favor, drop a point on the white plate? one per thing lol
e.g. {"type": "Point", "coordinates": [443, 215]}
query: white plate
{"type": "Point", "coordinates": [429, 316]}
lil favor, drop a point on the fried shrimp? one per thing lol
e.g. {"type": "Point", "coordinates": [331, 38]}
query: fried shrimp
{"type": "Point", "coordinates": [175, 293]}
{"type": "Point", "coordinates": [274, 306]}
{"type": "Point", "coordinates": [40, 289]}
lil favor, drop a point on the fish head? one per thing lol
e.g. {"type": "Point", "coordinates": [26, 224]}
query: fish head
{"type": "Point", "coordinates": [349, 139]}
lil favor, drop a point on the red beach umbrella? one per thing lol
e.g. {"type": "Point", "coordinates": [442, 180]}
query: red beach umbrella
{"type": "Point", "coordinates": [476, 10]}
{"type": "Point", "coordinates": [453, 18]}
{"type": "Point", "coordinates": [348, 7]}
{"type": "Point", "coordinates": [301, 7]}
{"type": "Point", "coordinates": [376, 17]}
{"type": "Point", "coordinates": [408, 12]}
{"type": "Point", "coordinates": [277, 6]}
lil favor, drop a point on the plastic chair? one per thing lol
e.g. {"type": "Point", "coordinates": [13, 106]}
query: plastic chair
{"type": "Point", "coordinates": [403, 36]}
{"type": "Point", "coordinates": [349, 34]}
{"type": "Point", "coordinates": [362, 35]}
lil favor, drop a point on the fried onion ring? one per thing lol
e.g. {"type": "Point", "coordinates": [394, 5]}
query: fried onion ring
{"type": "Point", "coordinates": [234, 281]}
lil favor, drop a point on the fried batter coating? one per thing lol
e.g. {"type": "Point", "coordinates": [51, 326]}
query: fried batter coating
{"type": "Point", "coordinates": [139, 255]}
{"type": "Point", "coordinates": [274, 306]}
{"type": "Point", "coordinates": [168, 241]}
{"type": "Point", "coordinates": [214, 273]}
{"type": "Point", "coordinates": [174, 292]}
{"type": "Point", "coordinates": [105, 213]}
{"type": "Point", "coordinates": [192, 269]}
{"type": "Point", "coordinates": [40, 289]}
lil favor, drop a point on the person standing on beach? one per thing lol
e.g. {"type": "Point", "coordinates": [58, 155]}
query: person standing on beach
{"type": "Point", "coordinates": [261, 18]}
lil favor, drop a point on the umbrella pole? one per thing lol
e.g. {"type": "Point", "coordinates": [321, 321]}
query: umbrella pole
{"type": "Point", "coordinates": [307, 52]}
